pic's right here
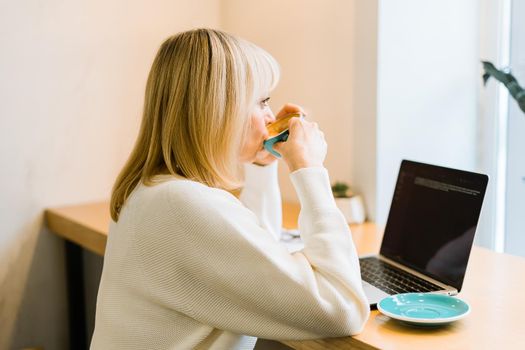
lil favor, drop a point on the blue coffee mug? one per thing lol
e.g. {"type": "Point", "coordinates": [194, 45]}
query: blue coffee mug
{"type": "Point", "coordinates": [280, 126]}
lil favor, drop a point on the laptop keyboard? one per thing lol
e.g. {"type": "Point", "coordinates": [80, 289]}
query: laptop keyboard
{"type": "Point", "coordinates": [391, 279]}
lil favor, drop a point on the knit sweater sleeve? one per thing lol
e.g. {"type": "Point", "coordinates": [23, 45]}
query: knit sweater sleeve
{"type": "Point", "coordinates": [261, 194]}
{"type": "Point", "coordinates": [207, 257]}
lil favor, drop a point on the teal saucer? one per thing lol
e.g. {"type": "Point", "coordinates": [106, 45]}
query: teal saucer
{"type": "Point", "coordinates": [425, 309]}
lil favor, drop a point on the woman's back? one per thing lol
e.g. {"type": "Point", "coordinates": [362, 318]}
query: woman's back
{"type": "Point", "coordinates": [189, 265]}
{"type": "Point", "coordinates": [134, 311]}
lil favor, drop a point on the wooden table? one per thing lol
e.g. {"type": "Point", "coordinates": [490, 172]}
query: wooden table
{"type": "Point", "coordinates": [494, 287]}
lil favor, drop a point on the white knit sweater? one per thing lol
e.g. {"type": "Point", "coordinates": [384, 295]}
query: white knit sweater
{"type": "Point", "coordinates": [188, 266]}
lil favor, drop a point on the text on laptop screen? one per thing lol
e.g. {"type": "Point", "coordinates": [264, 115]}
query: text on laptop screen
{"type": "Point", "coordinates": [433, 219]}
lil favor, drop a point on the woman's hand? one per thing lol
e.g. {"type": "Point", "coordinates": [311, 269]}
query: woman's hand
{"type": "Point", "coordinates": [305, 147]}
{"type": "Point", "coordinates": [289, 108]}
{"type": "Point", "coordinates": [264, 157]}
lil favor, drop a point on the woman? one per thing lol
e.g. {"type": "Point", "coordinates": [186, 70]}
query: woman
{"type": "Point", "coordinates": [188, 264]}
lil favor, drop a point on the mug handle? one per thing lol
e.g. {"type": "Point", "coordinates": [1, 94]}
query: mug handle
{"type": "Point", "coordinates": [268, 144]}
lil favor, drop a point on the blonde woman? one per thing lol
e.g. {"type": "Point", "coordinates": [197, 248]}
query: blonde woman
{"type": "Point", "coordinates": [189, 265]}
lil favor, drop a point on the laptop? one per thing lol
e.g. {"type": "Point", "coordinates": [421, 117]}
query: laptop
{"type": "Point", "coordinates": [429, 232]}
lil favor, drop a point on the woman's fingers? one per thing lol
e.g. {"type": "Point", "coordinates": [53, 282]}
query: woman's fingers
{"type": "Point", "coordinates": [295, 122]}
{"type": "Point", "coordinates": [289, 108]}
{"type": "Point", "coordinates": [305, 146]}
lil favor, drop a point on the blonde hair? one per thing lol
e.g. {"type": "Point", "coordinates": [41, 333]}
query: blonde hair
{"type": "Point", "coordinates": [201, 89]}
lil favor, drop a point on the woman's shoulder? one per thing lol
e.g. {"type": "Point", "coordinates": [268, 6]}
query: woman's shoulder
{"type": "Point", "coordinates": [181, 193]}
{"type": "Point", "coordinates": [173, 205]}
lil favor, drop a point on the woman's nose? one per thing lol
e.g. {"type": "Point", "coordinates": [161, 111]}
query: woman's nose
{"type": "Point", "coordinates": [269, 117]}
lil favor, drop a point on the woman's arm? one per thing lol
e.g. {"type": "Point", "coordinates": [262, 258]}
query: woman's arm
{"type": "Point", "coordinates": [261, 194]}
{"type": "Point", "coordinates": [213, 262]}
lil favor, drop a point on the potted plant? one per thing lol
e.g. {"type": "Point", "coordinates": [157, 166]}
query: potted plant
{"type": "Point", "coordinates": [350, 204]}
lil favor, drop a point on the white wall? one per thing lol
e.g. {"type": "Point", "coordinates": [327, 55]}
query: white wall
{"type": "Point", "coordinates": [71, 90]}
{"type": "Point", "coordinates": [514, 241]}
{"type": "Point", "coordinates": [428, 78]}
{"type": "Point", "coordinates": [492, 130]}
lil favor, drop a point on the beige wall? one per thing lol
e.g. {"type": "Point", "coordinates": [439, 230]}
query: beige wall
{"type": "Point", "coordinates": [364, 136]}
{"type": "Point", "coordinates": [314, 43]}
{"type": "Point", "coordinates": [71, 91]}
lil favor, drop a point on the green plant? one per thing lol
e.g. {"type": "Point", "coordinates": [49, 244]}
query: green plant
{"type": "Point", "coordinates": [341, 190]}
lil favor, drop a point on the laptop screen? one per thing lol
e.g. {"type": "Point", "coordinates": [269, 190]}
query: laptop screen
{"type": "Point", "coordinates": [433, 219]}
